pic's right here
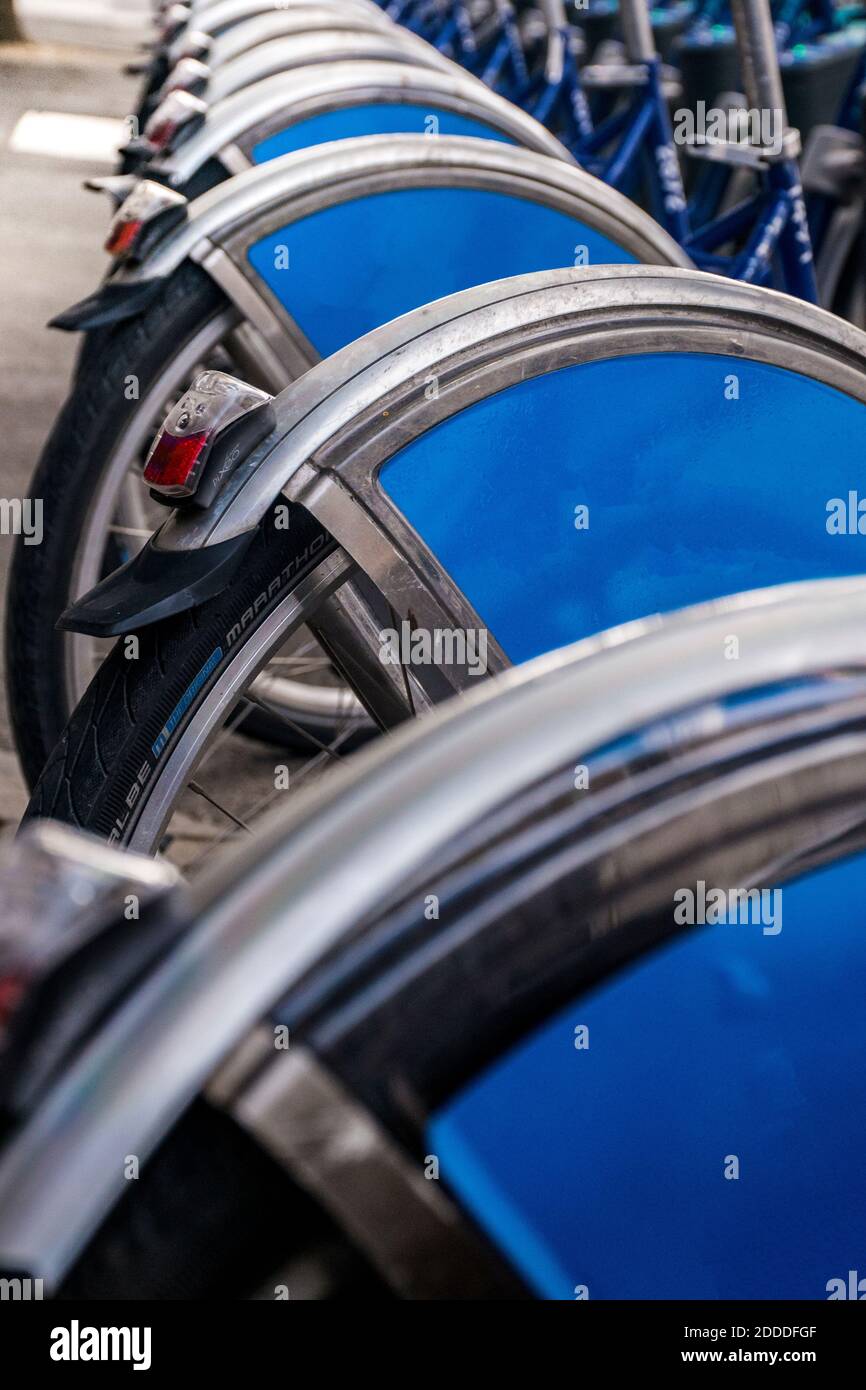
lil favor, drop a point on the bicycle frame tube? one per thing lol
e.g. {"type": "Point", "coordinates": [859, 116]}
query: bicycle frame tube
{"type": "Point", "coordinates": [647, 137]}
{"type": "Point", "coordinates": [637, 31]}
{"type": "Point", "coordinates": [774, 223]}
{"type": "Point", "coordinates": [783, 227]}
{"type": "Point", "coordinates": [643, 130]}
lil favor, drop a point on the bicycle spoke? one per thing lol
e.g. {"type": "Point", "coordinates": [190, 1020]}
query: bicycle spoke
{"type": "Point", "coordinates": [217, 805]}
{"type": "Point", "coordinates": [283, 718]}
{"type": "Point", "coordinates": [258, 808]}
{"type": "Point", "coordinates": [224, 734]}
{"type": "Point", "coordinates": [299, 663]}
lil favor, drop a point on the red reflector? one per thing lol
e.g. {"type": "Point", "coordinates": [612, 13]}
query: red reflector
{"type": "Point", "coordinates": [172, 464]}
{"type": "Point", "coordinates": [121, 238]}
{"type": "Point", "coordinates": [160, 134]}
{"type": "Point", "coordinates": [176, 109]}
{"type": "Point", "coordinates": [12, 990]}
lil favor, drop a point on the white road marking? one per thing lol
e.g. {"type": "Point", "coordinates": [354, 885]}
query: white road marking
{"type": "Point", "coordinates": [101, 11]}
{"type": "Point", "coordinates": [63, 135]}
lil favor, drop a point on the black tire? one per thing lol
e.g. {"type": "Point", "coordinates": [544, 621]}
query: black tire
{"type": "Point", "coordinates": [104, 768]}
{"type": "Point", "coordinates": [69, 470]}
{"type": "Point", "coordinates": [87, 430]}
{"type": "Point", "coordinates": [211, 1216]}
{"type": "Point", "coordinates": [211, 173]}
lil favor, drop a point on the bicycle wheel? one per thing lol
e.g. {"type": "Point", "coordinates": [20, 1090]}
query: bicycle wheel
{"type": "Point", "coordinates": [89, 479]}
{"type": "Point", "coordinates": [198, 78]}
{"type": "Point", "coordinates": [337, 101]}
{"type": "Point", "coordinates": [299, 51]}
{"type": "Point", "coordinates": [147, 712]}
{"type": "Point", "coordinates": [416, 487]}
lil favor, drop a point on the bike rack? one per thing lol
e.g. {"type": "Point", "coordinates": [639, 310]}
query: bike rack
{"type": "Point", "coordinates": [277, 909]}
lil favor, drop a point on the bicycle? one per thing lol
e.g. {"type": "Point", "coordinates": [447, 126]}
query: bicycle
{"type": "Point", "coordinates": [454, 1035]}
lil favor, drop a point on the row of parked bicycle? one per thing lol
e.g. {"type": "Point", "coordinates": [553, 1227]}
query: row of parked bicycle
{"type": "Point", "coordinates": [409, 387]}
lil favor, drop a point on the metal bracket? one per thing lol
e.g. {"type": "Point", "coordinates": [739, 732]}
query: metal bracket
{"type": "Point", "coordinates": [612, 76]}
{"type": "Point", "coordinates": [742, 154]}
{"type": "Point", "coordinates": [338, 1151]}
{"type": "Point", "coordinates": [833, 162]}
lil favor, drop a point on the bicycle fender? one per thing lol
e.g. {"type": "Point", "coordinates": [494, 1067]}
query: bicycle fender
{"type": "Point", "coordinates": [146, 217]}
{"type": "Point", "coordinates": [234, 215]}
{"type": "Point", "coordinates": [111, 303]}
{"type": "Point", "coordinates": [153, 585]}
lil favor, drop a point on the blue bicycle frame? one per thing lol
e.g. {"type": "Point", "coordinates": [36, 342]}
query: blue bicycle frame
{"type": "Point", "coordinates": [771, 224]}
{"type": "Point", "coordinates": [634, 144]}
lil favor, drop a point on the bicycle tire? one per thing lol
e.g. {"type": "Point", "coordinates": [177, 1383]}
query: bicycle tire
{"type": "Point", "coordinates": [66, 477]}
{"type": "Point", "coordinates": [73, 466]}
{"type": "Point", "coordinates": [134, 713]}
{"type": "Point", "coordinates": [210, 1216]}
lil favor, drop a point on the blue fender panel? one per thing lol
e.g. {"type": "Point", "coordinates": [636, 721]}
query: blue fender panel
{"type": "Point", "coordinates": [605, 1167]}
{"type": "Point", "coordinates": [380, 118]}
{"type": "Point", "coordinates": [692, 493]}
{"type": "Point", "coordinates": [356, 265]}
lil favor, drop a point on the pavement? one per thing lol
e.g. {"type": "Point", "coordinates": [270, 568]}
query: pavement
{"type": "Point", "coordinates": [51, 234]}
{"type": "Point", "coordinates": [99, 24]}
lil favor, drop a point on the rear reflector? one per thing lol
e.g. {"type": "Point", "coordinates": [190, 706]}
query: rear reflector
{"type": "Point", "coordinates": [189, 75]}
{"type": "Point", "coordinates": [148, 203]}
{"type": "Point", "coordinates": [122, 238]}
{"type": "Point", "coordinates": [171, 465]}
{"type": "Point", "coordinates": [202, 417]}
{"type": "Point", "coordinates": [177, 112]}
